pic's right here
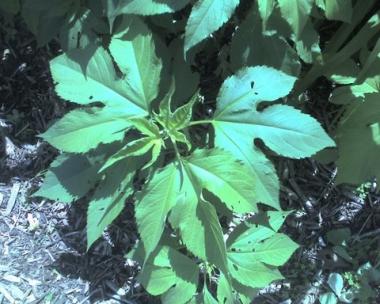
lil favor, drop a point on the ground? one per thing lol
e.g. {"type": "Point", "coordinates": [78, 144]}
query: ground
{"type": "Point", "coordinates": [43, 258]}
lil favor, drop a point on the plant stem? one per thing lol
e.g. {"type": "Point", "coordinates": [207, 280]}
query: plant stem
{"type": "Point", "coordinates": [200, 122]}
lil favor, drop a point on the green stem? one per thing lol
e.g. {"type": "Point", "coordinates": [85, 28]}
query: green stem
{"type": "Point", "coordinates": [199, 122]}
{"type": "Point", "coordinates": [177, 154]}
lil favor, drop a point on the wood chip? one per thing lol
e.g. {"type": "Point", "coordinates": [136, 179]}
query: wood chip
{"type": "Point", "coordinates": [11, 278]}
{"type": "Point", "coordinates": [12, 198]}
{"type": "Point", "coordinates": [7, 294]}
{"type": "Point", "coordinates": [1, 198]}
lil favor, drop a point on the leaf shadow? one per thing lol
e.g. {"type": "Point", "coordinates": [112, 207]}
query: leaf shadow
{"type": "Point", "coordinates": [104, 266]}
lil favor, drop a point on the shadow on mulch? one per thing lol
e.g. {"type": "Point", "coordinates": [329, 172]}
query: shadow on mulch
{"type": "Point", "coordinates": [104, 265]}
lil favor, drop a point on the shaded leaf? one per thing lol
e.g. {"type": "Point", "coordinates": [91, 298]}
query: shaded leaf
{"type": "Point", "coordinates": [206, 17]}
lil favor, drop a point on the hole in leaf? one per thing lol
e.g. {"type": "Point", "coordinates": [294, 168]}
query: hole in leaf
{"type": "Point", "coordinates": [252, 84]}
{"type": "Point", "coordinates": [235, 267]}
{"type": "Point", "coordinates": [256, 93]}
{"type": "Point", "coordinates": [91, 97]}
{"type": "Point", "coordinates": [224, 300]}
{"type": "Point", "coordinates": [233, 249]}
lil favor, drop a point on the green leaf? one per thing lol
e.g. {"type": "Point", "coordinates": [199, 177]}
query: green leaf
{"type": "Point", "coordinates": [296, 13]}
{"type": "Point", "coordinates": [187, 273]}
{"type": "Point", "coordinates": [157, 280]}
{"type": "Point", "coordinates": [154, 203]}
{"type": "Point", "coordinates": [182, 115]}
{"type": "Point", "coordinates": [207, 297]}
{"type": "Point", "coordinates": [45, 18]}
{"type": "Point", "coordinates": [178, 119]}
{"type": "Point", "coordinates": [275, 250]}
{"type": "Point", "coordinates": [95, 125]}
{"type": "Point", "coordinates": [108, 200]}
{"type": "Point", "coordinates": [246, 294]}
{"type": "Point", "coordinates": [345, 73]}
{"type": "Point", "coordinates": [206, 17]}
{"type": "Point", "coordinates": [99, 83]}
{"type": "Point", "coordinates": [218, 172]}
{"type": "Point", "coordinates": [250, 237]}
{"type": "Point", "coordinates": [283, 129]}
{"type": "Point", "coordinates": [199, 226]}
{"type": "Point", "coordinates": [358, 138]}
{"type": "Point", "coordinates": [265, 9]}
{"type": "Point", "coordinates": [336, 283]}
{"type": "Point", "coordinates": [78, 31]}
{"type": "Point", "coordinates": [69, 178]}
{"type": "Point", "coordinates": [338, 10]}
{"type": "Point", "coordinates": [138, 61]}
{"type": "Point", "coordinates": [224, 291]}
{"type": "Point", "coordinates": [308, 44]}
{"type": "Point", "coordinates": [152, 7]}
{"type": "Point", "coordinates": [250, 272]}
{"type": "Point", "coordinates": [171, 274]}
{"type": "Point", "coordinates": [134, 148]}
{"type": "Point", "coordinates": [328, 298]}
{"type": "Point", "coordinates": [250, 47]}
{"type": "Point", "coordinates": [146, 127]}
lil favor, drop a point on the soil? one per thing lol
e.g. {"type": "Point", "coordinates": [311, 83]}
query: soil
{"type": "Point", "coordinates": [43, 258]}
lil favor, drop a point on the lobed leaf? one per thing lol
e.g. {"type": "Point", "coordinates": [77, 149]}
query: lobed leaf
{"type": "Point", "coordinates": [108, 200]}
{"type": "Point", "coordinates": [95, 82]}
{"type": "Point", "coordinates": [69, 178]}
{"type": "Point", "coordinates": [206, 17]}
{"type": "Point", "coordinates": [296, 13]}
{"type": "Point", "coordinates": [136, 58]}
{"type": "Point", "coordinates": [84, 129]}
{"type": "Point", "coordinates": [154, 203]}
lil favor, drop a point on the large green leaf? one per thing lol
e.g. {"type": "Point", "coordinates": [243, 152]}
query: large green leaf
{"type": "Point", "coordinates": [199, 226]}
{"type": "Point", "coordinates": [206, 17]}
{"type": "Point", "coordinates": [251, 273]}
{"type": "Point", "coordinates": [187, 273]}
{"type": "Point", "coordinates": [154, 203]}
{"type": "Point", "coordinates": [358, 138]}
{"type": "Point", "coordinates": [254, 249]}
{"type": "Point", "coordinates": [151, 7]}
{"type": "Point", "coordinates": [137, 60]}
{"type": "Point", "coordinates": [265, 9]}
{"type": "Point", "coordinates": [207, 297]}
{"type": "Point", "coordinates": [224, 291]}
{"type": "Point", "coordinates": [283, 129]}
{"type": "Point", "coordinates": [338, 10]}
{"type": "Point", "coordinates": [250, 47]}
{"type": "Point", "coordinates": [157, 280]}
{"type": "Point", "coordinates": [45, 18]}
{"type": "Point", "coordinates": [69, 178]}
{"type": "Point", "coordinates": [97, 82]}
{"type": "Point", "coordinates": [113, 8]}
{"type": "Point", "coordinates": [108, 200]}
{"type": "Point", "coordinates": [218, 172]}
{"type": "Point", "coordinates": [308, 44]}
{"type": "Point", "coordinates": [83, 129]}
{"type": "Point", "coordinates": [171, 274]}
{"type": "Point", "coordinates": [296, 13]}
{"type": "Point", "coordinates": [276, 250]}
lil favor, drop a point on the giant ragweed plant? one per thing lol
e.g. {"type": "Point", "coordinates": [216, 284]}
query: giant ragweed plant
{"type": "Point", "coordinates": [133, 138]}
